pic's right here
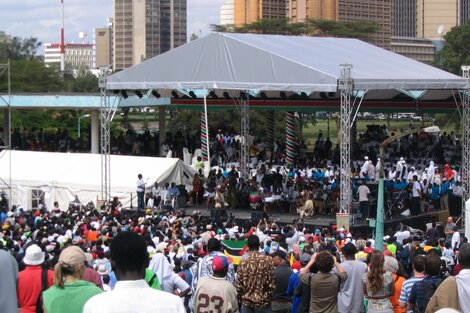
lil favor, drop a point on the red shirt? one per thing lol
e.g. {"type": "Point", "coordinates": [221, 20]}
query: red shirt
{"type": "Point", "coordinates": [29, 287]}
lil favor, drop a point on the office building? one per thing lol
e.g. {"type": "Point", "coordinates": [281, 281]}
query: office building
{"type": "Point", "coordinates": [103, 47]}
{"type": "Point", "coordinates": [464, 11]}
{"type": "Point", "coordinates": [299, 10]}
{"type": "Point", "coordinates": [249, 11]}
{"type": "Point", "coordinates": [431, 14]}
{"type": "Point", "coordinates": [419, 49]}
{"type": "Point", "coordinates": [378, 11]}
{"type": "Point", "coordinates": [145, 28]}
{"type": "Point", "coordinates": [404, 18]}
{"type": "Point", "coordinates": [227, 13]}
{"type": "Point", "coordinates": [77, 55]}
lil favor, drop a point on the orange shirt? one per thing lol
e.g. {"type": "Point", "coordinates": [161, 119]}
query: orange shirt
{"type": "Point", "coordinates": [92, 235]}
{"type": "Point", "coordinates": [395, 299]}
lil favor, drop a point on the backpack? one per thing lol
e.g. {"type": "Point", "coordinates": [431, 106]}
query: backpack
{"type": "Point", "coordinates": [39, 301]}
{"type": "Point", "coordinates": [428, 291]}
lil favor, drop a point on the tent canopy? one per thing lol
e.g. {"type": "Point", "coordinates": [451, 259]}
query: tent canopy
{"type": "Point", "coordinates": [80, 174]}
{"type": "Point", "coordinates": [283, 63]}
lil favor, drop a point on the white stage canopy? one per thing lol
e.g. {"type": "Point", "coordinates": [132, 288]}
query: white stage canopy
{"type": "Point", "coordinates": [283, 63]}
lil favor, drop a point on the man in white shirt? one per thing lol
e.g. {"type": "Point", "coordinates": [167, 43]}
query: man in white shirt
{"type": "Point", "coordinates": [140, 193]}
{"type": "Point", "coordinates": [363, 191]}
{"type": "Point", "coordinates": [455, 242]}
{"type": "Point", "coordinates": [416, 197]}
{"type": "Point", "coordinates": [131, 293]}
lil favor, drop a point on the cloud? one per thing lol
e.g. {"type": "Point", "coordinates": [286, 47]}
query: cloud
{"type": "Point", "coordinates": [42, 18]}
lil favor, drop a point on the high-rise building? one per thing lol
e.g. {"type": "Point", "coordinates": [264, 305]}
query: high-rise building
{"type": "Point", "coordinates": [249, 11]}
{"type": "Point", "coordinates": [404, 18]}
{"type": "Point", "coordinates": [77, 55]}
{"type": "Point", "coordinates": [299, 10]}
{"type": "Point", "coordinates": [227, 12]}
{"type": "Point", "coordinates": [431, 14]}
{"type": "Point", "coordinates": [145, 28]}
{"type": "Point", "coordinates": [103, 47]}
{"type": "Point", "coordinates": [464, 11]}
{"type": "Point", "coordinates": [378, 11]}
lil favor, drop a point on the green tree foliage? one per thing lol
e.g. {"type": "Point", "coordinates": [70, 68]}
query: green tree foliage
{"type": "Point", "coordinates": [193, 37]}
{"type": "Point", "coordinates": [456, 50]}
{"type": "Point", "coordinates": [32, 76]}
{"type": "Point", "coordinates": [19, 49]}
{"type": "Point", "coordinates": [85, 82]}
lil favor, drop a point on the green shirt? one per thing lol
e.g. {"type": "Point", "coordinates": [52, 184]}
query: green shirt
{"type": "Point", "coordinates": [152, 279]}
{"type": "Point", "coordinates": [71, 298]}
{"type": "Point", "coordinates": [392, 248]}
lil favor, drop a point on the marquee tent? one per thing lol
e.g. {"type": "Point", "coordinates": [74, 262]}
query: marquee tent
{"type": "Point", "coordinates": [62, 176]}
{"type": "Point", "coordinates": [281, 63]}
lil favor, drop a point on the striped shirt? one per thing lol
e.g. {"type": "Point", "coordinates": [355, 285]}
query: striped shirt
{"type": "Point", "coordinates": [406, 289]}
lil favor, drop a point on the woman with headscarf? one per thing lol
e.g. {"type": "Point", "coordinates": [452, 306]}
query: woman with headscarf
{"type": "Point", "coordinates": [169, 280]}
{"type": "Point", "coordinates": [378, 285]}
{"type": "Point", "coordinates": [70, 292]}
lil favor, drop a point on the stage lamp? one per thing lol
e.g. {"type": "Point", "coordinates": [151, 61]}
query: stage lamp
{"type": "Point", "coordinates": [192, 94]}
{"type": "Point", "coordinates": [263, 96]}
{"type": "Point", "coordinates": [226, 95]}
{"type": "Point", "coordinates": [124, 94]}
{"type": "Point", "coordinates": [213, 95]}
{"type": "Point", "coordinates": [243, 95]}
{"type": "Point", "coordinates": [156, 94]}
{"type": "Point", "coordinates": [283, 95]}
{"type": "Point", "coordinates": [175, 94]}
{"type": "Point", "coordinates": [139, 94]}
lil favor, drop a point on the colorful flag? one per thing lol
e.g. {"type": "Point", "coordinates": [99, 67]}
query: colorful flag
{"type": "Point", "coordinates": [234, 249]}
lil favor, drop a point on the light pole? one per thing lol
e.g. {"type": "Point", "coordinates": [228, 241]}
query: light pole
{"type": "Point", "coordinates": [78, 125]}
{"type": "Point", "coordinates": [379, 225]}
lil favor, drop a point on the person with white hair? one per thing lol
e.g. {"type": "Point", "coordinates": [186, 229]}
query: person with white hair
{"type": "Point", "coordinates": [401, 167]}
{"type": "Point", "coordinates": [169, 280]}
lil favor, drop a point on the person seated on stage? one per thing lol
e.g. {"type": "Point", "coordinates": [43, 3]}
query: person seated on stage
{"type": "Point", "coordinates": [219, 197]}
{"type": "Point", "coordinates": [307, 208]}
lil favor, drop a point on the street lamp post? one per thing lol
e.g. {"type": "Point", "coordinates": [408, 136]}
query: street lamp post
{"type": "Point", "coordinates": [78, 125]}
{"type": "Point", "coordinates": [379, 225]}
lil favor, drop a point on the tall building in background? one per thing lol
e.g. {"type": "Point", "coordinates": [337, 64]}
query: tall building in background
{"type": "Point", "coordinates": [299, 10]}
{"type": "Point", "coordinates": [227, 13]}
{"type": "Point", "coordinates": [103, 46]}
{"type": "Point", "coordinates": [145, 28]}
{"type": "Point", "coordinates": [249, 11]}
{"type": "Point", "coordinates": [404, 18]}
{"type": "Point", "coordinates": [464, 11]}
{"type": "Point", "coordinates": [379, 11]}
{"type": "Point", "coordinates": [431, 14]}
{"type": "Point", "coordinates": [77, 55]}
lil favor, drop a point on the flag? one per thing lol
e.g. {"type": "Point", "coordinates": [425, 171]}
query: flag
{"type": "Point", "coordinates": [234, 249]}
{"type": "Point", "coordinates": [292, 259]}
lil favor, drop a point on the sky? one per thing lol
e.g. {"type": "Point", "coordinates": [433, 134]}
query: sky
{"type": "Point", "coordinates": [42, 18]}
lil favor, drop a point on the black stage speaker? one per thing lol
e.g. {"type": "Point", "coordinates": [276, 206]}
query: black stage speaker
{"type": "Point", "coordinates": [218, 213]}
{"type": "Point", "coordinates": [257, 216]}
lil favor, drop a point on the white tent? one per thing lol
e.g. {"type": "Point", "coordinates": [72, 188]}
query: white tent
{"type": "Point", "coordinates": [467, 218]}
{"type": "Point", "coordinates": [62, 176]}
{"type": "Point", "coordinates": [282, 63]}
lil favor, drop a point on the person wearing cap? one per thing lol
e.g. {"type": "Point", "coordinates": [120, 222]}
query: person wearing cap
{"type": "Point", "coordinates": [129, 259]}
{"type": "Point", "coordinates": [69, 292]}
{"type": "Point", "coordinates": [32, 278]}
{"type": "Point", "coordinates": [350, 299]}
{"type": "Point", "coordinates": [391, 265]}
{"type": "Point", "coordinates": [255, 279]}
{"type": "Point", "coordinates": [281, 300]}
{"type": "Point", "coordinates": [215, 293]}
{"type": "Point", "coordinates": [203, 266]}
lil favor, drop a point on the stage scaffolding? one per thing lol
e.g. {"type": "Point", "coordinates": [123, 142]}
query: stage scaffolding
{"type": "Point", "coordinates": [6, 68]}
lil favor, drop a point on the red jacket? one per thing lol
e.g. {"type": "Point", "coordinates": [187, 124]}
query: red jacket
{"type": "Point", "coordinates": [29, 287]}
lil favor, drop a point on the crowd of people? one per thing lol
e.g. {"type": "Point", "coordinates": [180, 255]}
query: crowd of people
{"type": "Point", "coordinates": [113, 260]}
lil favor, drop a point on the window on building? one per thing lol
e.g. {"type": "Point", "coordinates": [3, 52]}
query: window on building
{"type": "Point", "coordinates": [36, 196]}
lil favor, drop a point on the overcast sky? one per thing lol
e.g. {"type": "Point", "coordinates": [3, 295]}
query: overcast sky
{"type": "Point", "coordinates": [41, 18]}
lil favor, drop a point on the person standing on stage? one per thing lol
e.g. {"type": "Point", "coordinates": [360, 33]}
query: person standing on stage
{"type": "Point", "coordinates": [140, 193]}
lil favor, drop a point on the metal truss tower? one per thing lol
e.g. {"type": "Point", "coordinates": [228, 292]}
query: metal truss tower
{"type": "Point", "coordinates": [245, 134]}
{"type": "Point", "coordinates": [7, 128]}
{"type": "Point", "coordinates": [465, 170]}
{"type": "Point", "coordinates": [345, 86]}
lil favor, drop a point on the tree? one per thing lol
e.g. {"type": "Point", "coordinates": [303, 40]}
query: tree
{"type": "Point", "coordinates": [456, 50]}
{"type": "Point", "coordinates": [193, 37]}
{"type": "Point", "coordinates": [85, 82]}
{"type": "Point", "coordinates": [19, 49]}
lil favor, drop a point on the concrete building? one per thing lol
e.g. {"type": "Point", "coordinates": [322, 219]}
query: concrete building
{"type": "Point", "coordinates": [419, 49]}
{"type": "Point", "coordinates": [249, 11]}
{"type": "Point", "coordinates": [431, 14]}
{"type": "Point", "coordinates": [145, 28]}
{"type": "Point", "coordinates": [77, 55]}
{"type": "Point", "coordinates": [464, 11]}
{"type": "Point", "coordinates": [299, 10]}
{"type": "Point", "coordinates": [379, 11]}
{"type": "Point", "coordinates": [103, 47]}
{"type": "Point", "coordinates": [227, 13]}
{"type": "Point", "coordinates": [404, 18]}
